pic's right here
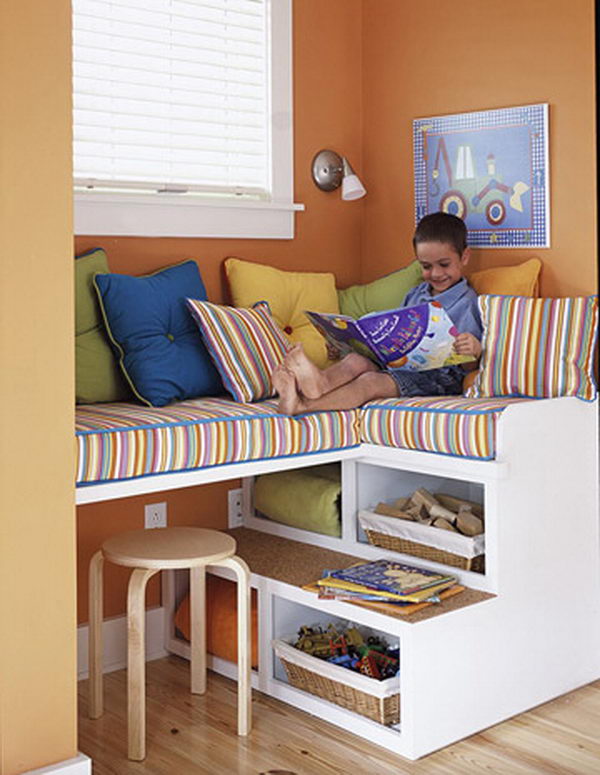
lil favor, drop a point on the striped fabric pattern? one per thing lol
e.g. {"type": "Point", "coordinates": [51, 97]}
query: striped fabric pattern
{"type": "Point", "coordinates": [448, 425]}
{"type": "Point", "coordinates": [245, 345]}
{"type": "Point", "coordinates": [542, 348]}
{"type": "Point", "coordinates": [122, 440]}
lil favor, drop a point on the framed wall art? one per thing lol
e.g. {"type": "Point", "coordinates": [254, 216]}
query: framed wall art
{"type": "Point", "coordinates": [490, 168]}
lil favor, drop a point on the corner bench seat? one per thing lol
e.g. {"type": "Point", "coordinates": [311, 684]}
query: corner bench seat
{"type": "Point", "coordinates": [122, 441]}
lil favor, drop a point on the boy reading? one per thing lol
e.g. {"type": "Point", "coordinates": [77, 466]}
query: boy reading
{"type": "Point", "coordinates": [440, 244]}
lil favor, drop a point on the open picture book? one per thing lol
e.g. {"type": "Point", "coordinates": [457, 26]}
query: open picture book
{"type": "Point", "coordinates": [415, 338]}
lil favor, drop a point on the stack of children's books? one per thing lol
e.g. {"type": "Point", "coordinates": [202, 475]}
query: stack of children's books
{"type": "Point", "coordinates": [385, 585]}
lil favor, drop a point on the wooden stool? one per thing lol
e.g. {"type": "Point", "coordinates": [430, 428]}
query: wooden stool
{"type": "Point", "coordinates": [148, 552]}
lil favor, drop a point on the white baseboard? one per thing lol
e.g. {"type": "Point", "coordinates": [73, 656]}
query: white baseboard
{"type": "Point", "coordinates": [115, 642]}
{"type": "Point", "coordinates": [80, 765]}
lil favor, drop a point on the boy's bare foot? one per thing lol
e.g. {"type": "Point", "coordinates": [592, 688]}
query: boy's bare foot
{"type": "Point", "coordinates": [309, 378]}
{"type": "Point", "coordinates": [284, 383]}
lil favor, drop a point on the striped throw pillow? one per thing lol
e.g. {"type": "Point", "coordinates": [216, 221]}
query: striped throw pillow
{"type": "Point", "coordinates": [245, 345]}
{"type": "Point", "coordinates": [541, 348]}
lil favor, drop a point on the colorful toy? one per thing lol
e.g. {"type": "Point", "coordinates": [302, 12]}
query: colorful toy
{"type": "Point", "coordinates": [369, 655]}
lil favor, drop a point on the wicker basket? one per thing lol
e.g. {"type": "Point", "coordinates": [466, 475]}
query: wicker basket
{"type": "Point", "coordinates": [424, 541]}
{"type": "Point", "coordinates": [378, 700]}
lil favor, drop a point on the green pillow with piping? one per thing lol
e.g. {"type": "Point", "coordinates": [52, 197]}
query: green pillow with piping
{"type": "Point", "coordinates": [97, 375]}
{"type": "Point", "coordinates": [384, 293]}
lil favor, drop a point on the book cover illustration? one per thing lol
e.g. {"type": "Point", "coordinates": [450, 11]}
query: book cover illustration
{"type": "Point", "coordinates": [392, 577]}
{"type": "Point", "coordinates": [415, 338]}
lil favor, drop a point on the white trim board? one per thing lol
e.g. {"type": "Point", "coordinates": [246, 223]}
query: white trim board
{"type": "Point", "coordinates": [143, 485]}
{"type": "Point", "coordinates": [80, 765]}
{"type": "Point", "coordinates": [99, 212]}
{"type": "Point", "coordinates": [115, 642]}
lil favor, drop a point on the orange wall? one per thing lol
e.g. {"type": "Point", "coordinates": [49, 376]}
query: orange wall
{"type": "Point", "coordinates": [327, 114]}
{"type": "Point", "coordinates": [423, 60]}
{"type": "Point", "coordinates": [38, 708]}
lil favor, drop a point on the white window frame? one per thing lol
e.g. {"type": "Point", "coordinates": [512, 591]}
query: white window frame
{"type": "Point", "coordinates": [100, 213]}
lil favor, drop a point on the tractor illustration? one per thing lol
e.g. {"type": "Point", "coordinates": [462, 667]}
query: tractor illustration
{"type": "Point", "coordinates": [469, 193]}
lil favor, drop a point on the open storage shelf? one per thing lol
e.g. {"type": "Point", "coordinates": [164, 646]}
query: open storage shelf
{"type": "Point", "coordinates": [288, 617]}
{"type": "Point", "coordinates": [375, 484]}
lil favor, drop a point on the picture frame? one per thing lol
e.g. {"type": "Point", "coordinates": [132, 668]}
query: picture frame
{"type": "Point", "coordinates": [490, 168]}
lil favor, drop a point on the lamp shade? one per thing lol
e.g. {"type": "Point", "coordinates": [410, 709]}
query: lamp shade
{"type": "Point", "coordinates": [352, 188]}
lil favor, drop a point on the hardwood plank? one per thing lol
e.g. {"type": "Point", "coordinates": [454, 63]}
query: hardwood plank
{"type": "Point", "coordinates": [197, 735]}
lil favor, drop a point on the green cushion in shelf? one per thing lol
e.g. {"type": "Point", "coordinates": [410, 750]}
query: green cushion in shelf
{"type": "Point", "coordinates": [307, 498]}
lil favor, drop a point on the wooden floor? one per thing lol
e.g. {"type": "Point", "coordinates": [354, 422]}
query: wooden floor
{"type": "Point", "coordinates": [191, 735]}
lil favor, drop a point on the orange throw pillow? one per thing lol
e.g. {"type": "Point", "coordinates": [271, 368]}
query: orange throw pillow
{"type": "Point", "coordinates": [221, 619]}
{"type": "Point", "coordinates": [518, 280]}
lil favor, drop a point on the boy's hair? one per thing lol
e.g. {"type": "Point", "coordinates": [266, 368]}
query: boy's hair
{"type": "Point", "coordinates": [442, 227]}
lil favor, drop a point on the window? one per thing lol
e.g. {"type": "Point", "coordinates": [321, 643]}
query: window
{"type": "Point", "coordinates": [174, 103]}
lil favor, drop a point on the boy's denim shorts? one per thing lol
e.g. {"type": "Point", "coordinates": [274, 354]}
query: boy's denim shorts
{"type": "Point", "coordinates": [446, 381]}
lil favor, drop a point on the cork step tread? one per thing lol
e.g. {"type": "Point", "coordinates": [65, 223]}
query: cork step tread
{"type": "Point", "coordinates": [297, 564]}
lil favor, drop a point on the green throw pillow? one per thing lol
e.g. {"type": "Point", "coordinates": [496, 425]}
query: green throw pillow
{"type": "Point", "coordinates": [97, 375]}
{"type": "Point", "coordinates": [385, 293]}
{"type": "Point", "coordinates": [308, 498]}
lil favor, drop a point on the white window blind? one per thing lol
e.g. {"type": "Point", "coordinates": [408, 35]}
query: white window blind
{"type": "Point", "coordinates": [172, 95]}
{"type": "Point", "coordinates": [183, 118]}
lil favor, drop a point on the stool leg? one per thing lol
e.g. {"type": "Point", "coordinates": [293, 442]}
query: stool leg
{"type": "Point", "coordinates": [198, 629]}
{"type": "Point", "coordinates": [242, 573]}
{"type": "Point", "coordinates": [136, 663]}
{"type": "Point", "coordinates": [95, 642]}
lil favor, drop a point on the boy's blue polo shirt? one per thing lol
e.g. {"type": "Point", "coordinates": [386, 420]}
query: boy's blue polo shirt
{"type": "Point", "coordinates": [459, 301]}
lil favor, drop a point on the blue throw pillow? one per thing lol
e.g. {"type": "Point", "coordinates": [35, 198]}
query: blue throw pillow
{"type": "Point", "coordinates": [157, 342]}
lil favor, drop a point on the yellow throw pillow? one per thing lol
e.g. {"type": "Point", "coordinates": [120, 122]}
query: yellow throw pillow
{"type": "Point", "coordinates": [519, 280]}
{"type": "Point", "coordinates": [288, 295]}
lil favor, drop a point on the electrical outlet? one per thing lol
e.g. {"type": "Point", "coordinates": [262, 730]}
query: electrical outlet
{"type": "Point", "coordinates": [234, 508]}
{"type": "Point", "coordinates": [155, 515]}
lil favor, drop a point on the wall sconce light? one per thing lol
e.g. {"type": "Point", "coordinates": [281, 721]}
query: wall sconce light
{"type": "Point", "coordinates": [330, 170]}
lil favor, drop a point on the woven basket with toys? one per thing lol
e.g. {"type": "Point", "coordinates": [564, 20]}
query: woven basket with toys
{"type": "Point", "coordinates": [327, 669]}
{"type": "Point", "coordinates": [436, 527]}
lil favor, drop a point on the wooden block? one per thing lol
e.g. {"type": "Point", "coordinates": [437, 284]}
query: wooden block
{"type": "Point", "coordinates": [441, 511]}
{"type": "Point", "coordinates": [390, 511]}
{"type": "Point", "coordinates": [443, 524]}
{"type": "Point", "coordinates": [423, 497]}
{"type": "Point", "coordinates": [453, 503]}
{"type": "Point", "coordinates": [401, 503]}
{"type": "Point", "coordinates": [468, 523]}
{"type": "Point", "coordinates": [422, 515]}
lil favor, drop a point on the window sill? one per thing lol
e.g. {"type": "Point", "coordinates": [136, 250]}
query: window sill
{"type": "Point", "coordinates": [172, 215]}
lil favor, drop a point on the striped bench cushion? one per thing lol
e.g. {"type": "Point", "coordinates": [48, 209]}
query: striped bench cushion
{"type": "Point", "coordinates": [123, 440]}
{"type": "Point", "coordinates": [453, 425]}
